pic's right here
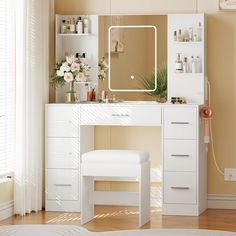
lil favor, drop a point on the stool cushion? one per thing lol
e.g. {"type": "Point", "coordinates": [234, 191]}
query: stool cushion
{"type": "Point", "coordinates": [115, 156]}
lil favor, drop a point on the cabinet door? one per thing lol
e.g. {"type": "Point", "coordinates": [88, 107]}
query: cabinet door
{"type": "Point", "coordinates": [62, 184]}
{"type": "Point", "coordinates": [180, 188]}
{"type": "Point", "coordinates": [63, 121]}
{"type": "Point", "coordinates": [180, 155]}
{"type": "Point", "coordinates": [63, 153]}
{"type": "Point", "coordinates": [180, 123]}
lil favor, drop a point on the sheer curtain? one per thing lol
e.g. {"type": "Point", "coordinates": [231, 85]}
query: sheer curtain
{"type": "Point", "coordinates": [32, 52]}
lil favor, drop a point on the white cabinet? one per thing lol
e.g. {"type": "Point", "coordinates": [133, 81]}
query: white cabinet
{"type": "Point", "coordinates": [184, 190]}
{"type": "Point", "coordinates": [70, 132]}
{"type": "Point", "coordinates": [190, 84]}
{"type": "Point", "coordinates": [62, 157]}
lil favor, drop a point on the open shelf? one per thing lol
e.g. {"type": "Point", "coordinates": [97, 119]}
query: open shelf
{"type": "Point", "coordinates": [73, 34]}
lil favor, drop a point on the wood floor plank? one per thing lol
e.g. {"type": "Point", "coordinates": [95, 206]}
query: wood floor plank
{"type": "Point", "coordinates": [123, 218]}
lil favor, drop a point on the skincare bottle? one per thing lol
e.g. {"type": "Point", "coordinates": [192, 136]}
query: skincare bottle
{"type": "Point", "coordinates": [193, 65]}
{"type": "Point", "coordinates": [175, 35]}
{"type": "Point", "coordinates": [63, 27]}
{"type": "Point", "coordinates": [199, 32]}
{"type": "Point", "coordinates": [198, 65]}
{"type": "Point", "coordinates": [186, 36]}
{"type": "Point", "coordinates": [178, 64]}
{"type": "Point", "coordinates": [79, 26]}
{"type": "Point", "coordinates": [180, 36]}
{"type": "Point", "coordinates": [72, 25]}
{"type": "Point", "coordinates": [190, 31]}
{"type": "Point", "coordinates": [185, 65]}
{"type": "Point", "coordinates": [195, 38]}
{"type": "Point", "coordinates": [86, 26]}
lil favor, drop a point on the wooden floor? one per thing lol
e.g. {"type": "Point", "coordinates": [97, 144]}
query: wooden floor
{"type": "Point", "coordinates": [123, 218]}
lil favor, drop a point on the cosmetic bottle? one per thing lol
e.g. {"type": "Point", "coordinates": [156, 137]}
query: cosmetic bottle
{"type": "Point", "coordinates": [198, 65]}
{"type": "Point", "coordinates": [186, 37]}
{"type": "Point", "coordinates": [180, 36]}
{"type": "Point", "coordinates": [63, 27]}
{"type": "Point", "coordinates": [178, 64]}
{"type": "Point", "coordinates": [86, 26]}
{"type": "Point", "coordinates": [199, 32]}
{"type": "Point", "coordinates": [72, 25]}
{"type": "Point", "coordinates": [185, 65]}
{"type": "Point", "coordinates": [190, 31]}
{"type": "Point", "coordinates": [175, 35]}
{"type": "Point", "coordinates": [193, 64]}
{"type": "Point", "coordinates": [79, 26]}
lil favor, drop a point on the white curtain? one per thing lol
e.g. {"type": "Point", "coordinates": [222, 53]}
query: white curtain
{"type": "Point", "coordinates": [32, 26]}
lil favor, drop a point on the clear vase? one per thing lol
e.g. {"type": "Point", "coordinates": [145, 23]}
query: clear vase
{"type": "Point", "coordinates": [71, 95]}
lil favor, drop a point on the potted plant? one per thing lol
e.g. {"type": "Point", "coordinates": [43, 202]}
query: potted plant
{"type": "Point", "coordinates": [149, 83]}
{"type": "Point", "coordinates": [71, 70]}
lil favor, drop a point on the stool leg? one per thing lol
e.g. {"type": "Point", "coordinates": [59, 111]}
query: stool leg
{"type": "Point", "coordinates": [144, 194]}
{"type": "Point", "coordinates": [87, 205]}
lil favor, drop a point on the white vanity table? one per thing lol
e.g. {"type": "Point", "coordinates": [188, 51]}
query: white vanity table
{"type": "Point", "coordinates": [70, 127]}
{"type": "Point", "coordinates": [70, 133]}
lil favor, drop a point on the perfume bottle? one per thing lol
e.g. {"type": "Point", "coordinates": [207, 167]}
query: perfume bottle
{"type": "Point", "coordinates": [79, 26]}
{"type": "Point", "coordinates": [63, 27]}
{"type": "Point", "coordinates": [180, 36]}
{"type": "Point", "coordinates": [185, 65]}
{"type": "Point", "coordinates": [86, 26]}
{"type": "Point", "coordinates": [198, 65]}
{"type": "Point", "coordinates": [178, 64]}
{"type": "Point", "coordinates": [199, 32]}
{"type": "Point", "coordinates": [193, 65]}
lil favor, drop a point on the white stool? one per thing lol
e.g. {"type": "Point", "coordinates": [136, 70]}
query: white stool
{"type": "Point", "coordinates": [115, 163]}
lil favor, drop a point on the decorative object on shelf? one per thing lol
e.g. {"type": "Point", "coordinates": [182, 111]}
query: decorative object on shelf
{"type": "Point", "coordinates": [71, 71]}
{"type": "Point", "coordinates": [189, 35]}
{"type": "Point", "coordinates": [102, 69]}
{"type": "Point", "coordinates": [227, 4]}
{"type": "Point", "coordinates": [149, 83]}
{"type": "Point", "coordinates": [178, 100]}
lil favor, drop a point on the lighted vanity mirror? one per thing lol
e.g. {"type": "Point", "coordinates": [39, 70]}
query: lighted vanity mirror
{"type": "Point", "coordinates": [131, 55]}
{"type": "Point", "coordinates": [134, 47]}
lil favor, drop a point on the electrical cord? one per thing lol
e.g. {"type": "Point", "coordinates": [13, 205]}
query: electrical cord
{"type": "Point", "coordinates": [211, 133]}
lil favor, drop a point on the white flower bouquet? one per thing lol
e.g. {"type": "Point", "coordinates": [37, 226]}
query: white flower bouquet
{"type": "Point", "coordinates": [71, 70]}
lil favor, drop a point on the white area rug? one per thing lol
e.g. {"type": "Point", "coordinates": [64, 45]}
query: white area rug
{"type": "Point", "coordinates": [69, 230]}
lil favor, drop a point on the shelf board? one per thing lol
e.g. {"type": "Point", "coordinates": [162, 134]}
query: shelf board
{"type": "Point", "coordinates": [188, 43]}
{"type": "Point", "coordinates": [78, 35]}
{"type": "Point", "coordinates": [185, 75]}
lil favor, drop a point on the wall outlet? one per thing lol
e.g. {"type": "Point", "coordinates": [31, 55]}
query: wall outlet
{"type": "Point", "coordinates": [230, 174]}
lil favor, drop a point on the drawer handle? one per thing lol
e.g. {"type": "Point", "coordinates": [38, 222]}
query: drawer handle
{"type": "Point", "coordinates": [180, 155]}
{"type": "Point", "coordinates": [63, 185]}
{"type": "Point", "coordinates": [120, 115]}
{"type": "Point", "coordinates": [180, 123]}
{"type": "Point", "coordinates": [181, 188]}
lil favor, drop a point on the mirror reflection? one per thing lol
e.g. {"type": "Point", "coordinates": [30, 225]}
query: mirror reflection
{"type": "Point", "coordinates": [132, 52]}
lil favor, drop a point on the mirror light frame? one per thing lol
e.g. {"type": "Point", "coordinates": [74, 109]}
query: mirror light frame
{"type": "Point", "coordinates": [109, 57]}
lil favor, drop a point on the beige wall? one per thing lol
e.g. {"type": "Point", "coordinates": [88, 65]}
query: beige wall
{"type": "Point", "coordinates": [221, 73]}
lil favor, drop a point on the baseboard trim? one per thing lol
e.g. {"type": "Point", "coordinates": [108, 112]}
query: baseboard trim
{"type": "Point", "coordinates": [221, 201]}
{"type": "Point", "coordinates": [6, 210]}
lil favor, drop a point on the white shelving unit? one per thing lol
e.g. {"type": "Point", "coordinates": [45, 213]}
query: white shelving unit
{"type": "Point", "coordinates": [73, 43]}
{"type": "Point", "coordinates": [189, 85]}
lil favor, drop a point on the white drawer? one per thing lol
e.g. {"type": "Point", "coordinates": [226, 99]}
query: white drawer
{"type": "Point", "coordinates": [62, 184]}
{"type": "Point", "coordinates": [63, 153]}
{"type": "Point", "coordinates": [121, 115]}
{"type": "Point", "coordinates": [180, 188]}
{"type": "Point", "coordinates": [180, 123]}
{"type": "Point", "coordinates": [180, 155]}
{"type": "Point", "coordinates": [63, 121]}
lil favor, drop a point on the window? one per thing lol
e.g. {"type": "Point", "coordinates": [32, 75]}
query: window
{"type": "Point", "coordinates": [7, 85]}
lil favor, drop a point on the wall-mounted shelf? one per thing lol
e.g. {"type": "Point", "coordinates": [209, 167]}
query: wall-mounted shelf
{"type": "Point", "coordinates": [187, 43]}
